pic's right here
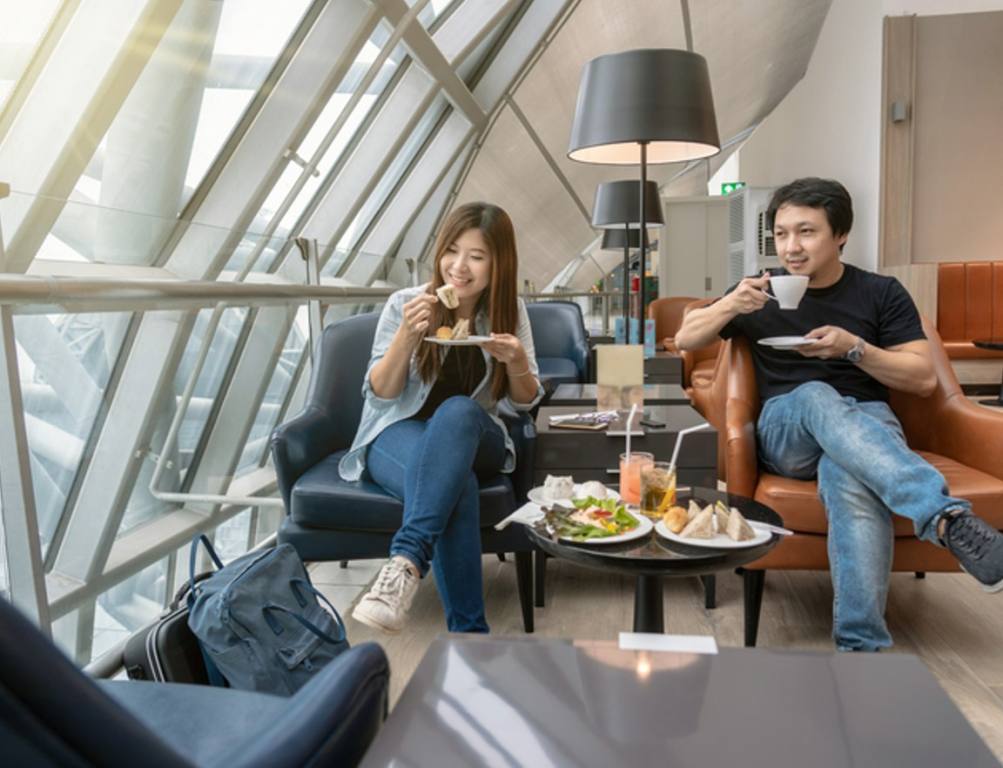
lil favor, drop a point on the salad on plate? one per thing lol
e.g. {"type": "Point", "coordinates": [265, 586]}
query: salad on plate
{"type": "Point", "coordinates": [589, 518]}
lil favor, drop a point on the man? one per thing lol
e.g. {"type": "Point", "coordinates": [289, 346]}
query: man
{"type": "Point", "coordinates": [825, 407]}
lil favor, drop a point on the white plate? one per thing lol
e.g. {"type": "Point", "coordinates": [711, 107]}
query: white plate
{"type": "Point", "coordinates": [536, 496]}
{"type": "Point", "coordinates": [786, 342]}
{"type": "Point", "coordinates": [718, 540]}
{"type": "Point", "coordinates": [643, 529]}
{"type": "Point", "coordinates": [470, 341]}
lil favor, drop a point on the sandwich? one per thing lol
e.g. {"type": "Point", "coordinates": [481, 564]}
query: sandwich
{"type": "Point", "coordinates": [701, 526]}
{"type": "Point", "coordinates": [447, 295]}
{"type": "Point", "coordinates": [721, 517]}
{"type": "Point", "coordinates": [738, 528]}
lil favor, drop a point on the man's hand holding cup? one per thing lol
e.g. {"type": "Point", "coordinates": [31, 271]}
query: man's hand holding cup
{"type": "Point", "coordinates": [750, 295]}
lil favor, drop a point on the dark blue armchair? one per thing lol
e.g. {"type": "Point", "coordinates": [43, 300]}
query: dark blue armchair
{"type": "Point", "coordinates": [52, 714]}
{"type": "Point", "coordinates": [328, 518]}
{"type": "Point", "coordinates": [562, 346]}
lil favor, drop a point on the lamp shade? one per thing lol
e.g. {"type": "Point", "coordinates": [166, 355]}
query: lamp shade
{"type": "Point", "coordinates": [658, 97]}
{"type": "Point", "coordinates": [613, 239]}
{"type": "Point", "coordinates": [618, 204]}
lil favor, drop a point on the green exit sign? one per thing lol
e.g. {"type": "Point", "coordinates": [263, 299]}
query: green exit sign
{"type": "Point", "coordinates": [728, 187]}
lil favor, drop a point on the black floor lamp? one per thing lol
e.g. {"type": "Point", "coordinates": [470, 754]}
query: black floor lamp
{"type": "Point", "coordinates": [617, 210]}
{"type": "Point", "coordinates": [644, 106]}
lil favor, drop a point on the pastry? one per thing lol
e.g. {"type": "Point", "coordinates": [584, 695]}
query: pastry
{"type": "Point", "coordinates": [461, 330]}
{"type": "Point", "coordinates": [675, 519]}
{"type": "Point", "coordinates": [444, 332]}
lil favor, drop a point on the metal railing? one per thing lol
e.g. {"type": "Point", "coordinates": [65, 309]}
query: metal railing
{"type": "Point", "coordinates": [27, 294]}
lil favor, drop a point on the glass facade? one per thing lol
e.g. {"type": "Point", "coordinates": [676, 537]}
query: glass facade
{"type": "Point", "coordinates": [150, 143]}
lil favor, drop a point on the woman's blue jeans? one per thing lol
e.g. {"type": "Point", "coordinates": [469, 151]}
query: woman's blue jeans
{"type": "Point", "coordinates": [865, 473]}
{"type": "Point", "coordinates": [433, 467]}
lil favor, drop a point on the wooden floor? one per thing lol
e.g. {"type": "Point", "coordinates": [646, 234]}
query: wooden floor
{"type": "Point", "coordinates": [945, 619]}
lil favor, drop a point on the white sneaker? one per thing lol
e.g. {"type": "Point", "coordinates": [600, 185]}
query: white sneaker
{"type": "Point", "coordinates": [385, 606]}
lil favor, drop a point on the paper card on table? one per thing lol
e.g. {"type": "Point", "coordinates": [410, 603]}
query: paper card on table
{"type": "Point", "coordinates": [619, 331]}
{"type": "Point", "coordinates": [649, 338]}
{"type": "Point", "coordinates": [620, 377]}
{"type": "Point", "coordinates": [649, 641]}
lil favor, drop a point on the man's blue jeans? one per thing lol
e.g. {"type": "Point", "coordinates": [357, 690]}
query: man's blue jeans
{"type": "Point", "coordinates": [865, 473]}
{"type": "Point", "coordinates": [433, 467]}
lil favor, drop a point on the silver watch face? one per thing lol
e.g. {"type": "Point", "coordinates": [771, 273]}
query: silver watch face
{"type": "Point", "coordinates": [855, 353]}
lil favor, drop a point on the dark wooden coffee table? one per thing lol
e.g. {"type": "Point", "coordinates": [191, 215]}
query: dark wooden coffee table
{"type": "Point", "coordinates": [486, 700]}
{"type": "Point", "coordinates": [584, 395]}
{"type": "Point", "coordinates": [652, 558]}
{"type": "Point", "coordinates": [596, 455]}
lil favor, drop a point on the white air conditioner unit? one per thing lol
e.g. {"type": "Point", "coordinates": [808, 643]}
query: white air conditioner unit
{"type": "Point", "coordinates": [750, 241]}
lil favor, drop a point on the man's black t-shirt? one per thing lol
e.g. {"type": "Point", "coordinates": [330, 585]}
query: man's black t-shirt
{"type": "Point", "coordinates": [874, 307]}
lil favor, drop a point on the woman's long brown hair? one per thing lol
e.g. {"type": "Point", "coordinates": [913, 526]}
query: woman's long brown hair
{"type": "Point", "coordinates": [500, 295]}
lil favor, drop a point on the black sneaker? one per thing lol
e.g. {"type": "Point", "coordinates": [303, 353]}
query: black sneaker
{"type": "Point", "coordinates": [978, 547]}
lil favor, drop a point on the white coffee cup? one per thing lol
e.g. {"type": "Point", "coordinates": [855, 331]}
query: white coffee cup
{"type": "Point", "coordinates": [788, 289]}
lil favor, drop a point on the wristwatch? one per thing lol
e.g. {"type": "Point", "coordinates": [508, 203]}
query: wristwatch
{"type": "Point", "coordinates": [855, 353]}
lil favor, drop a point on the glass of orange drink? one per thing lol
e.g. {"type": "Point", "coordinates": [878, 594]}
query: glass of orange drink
{"type": "Point", "coordinates": [631, 465]}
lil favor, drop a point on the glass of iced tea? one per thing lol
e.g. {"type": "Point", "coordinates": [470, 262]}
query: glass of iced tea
{"type": "Point", "coordinates": [658, 489]}
{"type": "Point", "coordinates": [631, 465]}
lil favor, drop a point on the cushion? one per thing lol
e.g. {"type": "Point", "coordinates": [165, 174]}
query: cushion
{"type": "Point", "coordinates": [966, 350]}
{"type": "Point", "coordinates": [322, 499]}
{"type": "Point", "coordinates": [557, 370]}
{"type": "Point", "coordinates": [797, 502]}
{"type": "Point", "coordinates": [179, 714]}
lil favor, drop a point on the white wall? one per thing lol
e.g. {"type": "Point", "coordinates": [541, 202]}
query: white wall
{"type": "Point", "coordinates": [830, 123]}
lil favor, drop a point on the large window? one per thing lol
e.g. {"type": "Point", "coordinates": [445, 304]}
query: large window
{"type": "Point", "coordinates": [350, 239]}
{"type": "Point", "coordinates": [323, 146]}
{"type": "Point", "coordinates": [65, 362]}
{"type": "Point", "coordinates": [250, 37]}
{"type": "Point", "coordinates": [142, 505]}
{"type": "Point", "coordinates": [282, 379]}
{"type": "Point", "coordinates": [21, 28]}
{"type": "Point", "coordinates": [170, 128]}
{"type": "Point", "coordinates": [433, 10]}
{"type": "Point", "coordinates": [4, 577]}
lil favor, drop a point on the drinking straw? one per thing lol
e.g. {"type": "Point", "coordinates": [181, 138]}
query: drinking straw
{"type": "Point", "coordinates": [630, 418]}
{"type": "Point", "coordinates": [679, 442]}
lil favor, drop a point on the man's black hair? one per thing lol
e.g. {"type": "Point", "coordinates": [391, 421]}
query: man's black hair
{"type": "Point", "coordinates": [812, 192]}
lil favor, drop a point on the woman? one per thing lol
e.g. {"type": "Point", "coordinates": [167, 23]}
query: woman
{"type": "Point", "coordinates": [429, 425]}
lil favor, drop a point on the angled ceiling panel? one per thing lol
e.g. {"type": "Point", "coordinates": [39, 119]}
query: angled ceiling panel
{"type": "Point", "coordinates": [756, 50]}
{"type": "Point", "coordinates": [550, 228]}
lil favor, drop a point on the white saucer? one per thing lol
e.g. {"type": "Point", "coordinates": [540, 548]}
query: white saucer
{"type": "Point", "coordinates": [786, 342]}
{"type": "Point", "coordinates": [470, 341]}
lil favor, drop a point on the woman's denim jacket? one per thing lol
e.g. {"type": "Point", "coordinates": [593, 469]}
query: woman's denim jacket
{"type": "Point", "coordinates": [379, 413]}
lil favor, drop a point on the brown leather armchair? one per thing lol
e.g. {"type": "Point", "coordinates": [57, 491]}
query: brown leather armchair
{"type": "Point", "coordinates": [698, 364]}
{"type": "Point", "coordinates": [668, 316]}
{"type": "Point", "coordinates": [961, 439]}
